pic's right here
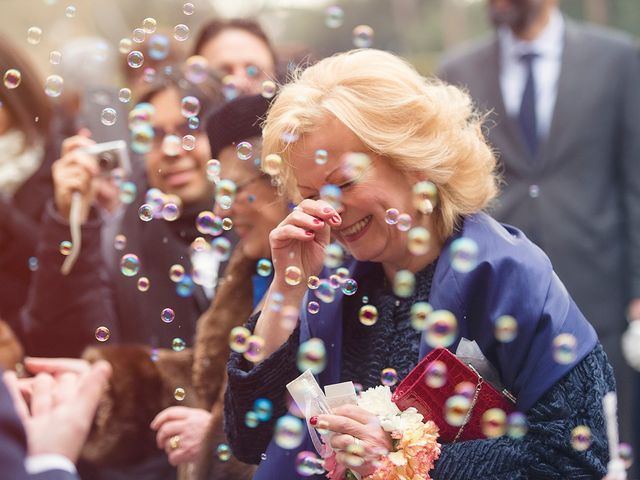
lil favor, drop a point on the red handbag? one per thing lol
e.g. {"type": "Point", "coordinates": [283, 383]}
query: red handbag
{"type": "Point", "coordinates": [431, 402]}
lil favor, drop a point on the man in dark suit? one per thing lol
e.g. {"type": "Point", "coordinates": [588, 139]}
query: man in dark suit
{"type": "Point", "coordinates": [40, 441]}
{"type": "Point", "coordinates": [565, 102]}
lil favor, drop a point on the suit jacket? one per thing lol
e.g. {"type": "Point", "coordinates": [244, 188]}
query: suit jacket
{"type": "Point", "coordinates": [13, 445]}
{"type": "Point", "coordinates": [586, 214]}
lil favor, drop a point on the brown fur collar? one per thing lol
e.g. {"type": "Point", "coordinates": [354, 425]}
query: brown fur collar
{"type": "Point", "coordinates": [11, 352]}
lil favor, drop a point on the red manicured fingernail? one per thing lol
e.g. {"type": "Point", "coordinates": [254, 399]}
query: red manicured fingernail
{"type": "Point", "coordinates": [317, 221]}
{"type": "Point", "coordinates": [313, 421]}
{"type": "Point", "coordinates": [327, 210]}
{"type": "Point", "coordinates": [308, 233]}
{"type": "Point", "coordinates": [335, 219]}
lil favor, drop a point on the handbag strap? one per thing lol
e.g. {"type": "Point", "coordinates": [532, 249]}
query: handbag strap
{"type": "Point", "coordinates": [470, 411]}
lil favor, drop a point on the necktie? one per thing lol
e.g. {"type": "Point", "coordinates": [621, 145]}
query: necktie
{"type": "Point", "coordinates": [527, 116]}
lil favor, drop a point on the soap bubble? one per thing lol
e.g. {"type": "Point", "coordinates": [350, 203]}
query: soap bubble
{"type": "Point", "coordinates": [363, 36]}
{"type": "Point", "coordinates": [196, 69]}
{"type": "Point", "coordinates": [149, 25]}
{"type": "Point", "coordinates": [142, 139]}
{"type": "Point", "coordinates": [145, 212]}
{"type": "Point", "coordinates": [189, 142]}
{"type": "Point", "coordinates": [565, 348]}
{"type": "Point", "coordinates": [138, 35]}
{"type": "Point", "coordinates": [292, 275]}
{"type": "Point", "coordinates": [167, 315]}
{"type": "Point", "coordinates": [143, 284]}
{"type": "Point", "coordinates": [494, 423]}
{"type": "Point", "coordinates": [334, 17]}
{"type": "Point", "coordinates": [313, 282]}
{"type": "Point", "coordinates": [506, 328]}
{"type": "Point", "coordinates": [321, 157]}
{"type": "Point", "coordinates": [264, 267]}
{"type": "Point", "coordinates": [404, 222]}
{"type": "Point", "coordinates": [333, 255]}
{"type": "Point", "coordinates": [349, 287]}
{"type": "Point", "coordinates": [368, 315]}
{"type": "Point", "coordinates": [425, 197]}
{"type": "Point", "coordinates": [12, 78]}
{"type": "Point", "coordinates": [420, 311]}
{"type": "Point", "coordinates": [34, 35]}
{"type": "Point", "coordinates": [128, 191]}
{"type": "Point", "coordinates": [244, 150]}
{"type": "Point", "coordinates": [404, 283]}
{"type": "Point", "coordinates": [65, 247]}
{"type": "Point", "coordinates": [269, 89]}
{"type": "Point", "coordinates": [125, 46]}
{"type": "Point", "coordinates": [178, 344]}
{"type": "Point", "coordinates": [124, 95]}
{"type": "Point", "coordinates": [102, 334]}
{"type": "Point", "coordinates": [581, 438]}
{"type": "Point", "coordinates": [391, 216]}
{"type": "Point", "coordinates": [55, 57]}
{"type": "Point", "coordinates": [436, 374]}
{"type": "Point", "coordinates": [181, 32]}
{"type": "Point", "coordinates": [108, 116]}
{"type": "Point", "coordinates": [190, 106]}
{"type": "Point", "coordinates": [207, 222]}
{"type": "Point", "coordinates": [325, 292]}
{"type": "Point", "coordinates": [517, 425]}
{"type": "Point", "coordinates": [272, 164]}
{"type": "Point", "coordinates": [119, 242]}
{"type": "Point", "coordinates": [456, 409]}
{"type": "Point", "coordinates": [255, 349]}
{"type": "Point", "coordinates": [331, 194]}
{"type": "Point", "coordinates": [313, 307]}
{"type": "Point", "coordinates": [135, 59]}
{"type": "Point", "coordinates": [289, 432]}
{"type": "Point", "coordinates": [159, 47]}
{"type": "Point", "coordinates": [312, 356]}
{"type": "Point", "coordinates": [213, 170]}
{"type": "Point", "coordinates": [308, 464]}
{"type": "Point", "coordinates": [466, 389]}
{"type": "Point", "coordinates": [442, 329]}
{"type": "Point", "coordinates": [263, 408]}
{"type": "Point", "coordinates": [224, 452]}
{"type": "Point", "coordinates": [418, 241]}
{"type": "Point", "coordinates": [70, 11]}
{"type": "Point", "coordinates": [129, 265]}
{"type": "Point", "coordinates": [222, 248]}
{"type": "Point", "coordinates": [238, 339]}
{"type": "Point", "coordinates": [464, 254]}
{"type": "Point", "coordinates": [188, 8]}
{"type": "Point", "coordinates": [171, 145]}
{"type": "Point", "coordinates": [193, 123]}
{"type": "Point", "coordinates": [179, 394]}
{"type": "Point", "coordinates": [389, 377]}
{"type": "Point", "coordinates": [53, 86]}
{"type": "Point", "coordinates": [251, 419]}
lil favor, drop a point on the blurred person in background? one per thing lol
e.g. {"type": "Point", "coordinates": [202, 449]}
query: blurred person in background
{"type": "Point", "coordinates": [240, 52]}
{"type": "Point", "coordinates": [567, 113]}
{"type": "Point", "coordinates": [256, 210]}
{"type": "Point", "coordinates": [27, 150]}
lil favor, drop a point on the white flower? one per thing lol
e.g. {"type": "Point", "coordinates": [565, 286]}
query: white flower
{"type": "Point", "coordinates": [377, 400]}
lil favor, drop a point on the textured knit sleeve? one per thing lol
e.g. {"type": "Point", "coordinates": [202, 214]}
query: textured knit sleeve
{"type": "Point", "coordinates": [546, 451]}
{"type": "Point", "coordinates": [246, 384]}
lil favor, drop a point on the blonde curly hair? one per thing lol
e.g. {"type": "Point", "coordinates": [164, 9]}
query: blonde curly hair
{"type": "Point", "coordinates": [418, 124]}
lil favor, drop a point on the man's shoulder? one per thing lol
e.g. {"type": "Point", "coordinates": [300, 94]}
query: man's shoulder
{"type": "Point", "coordinates": [468, 55]}
{"type": "Point", "coordinates": [590, 35]}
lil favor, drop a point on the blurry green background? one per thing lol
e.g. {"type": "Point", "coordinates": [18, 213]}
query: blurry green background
{"type": "Point", "coordinates": [418, 29]}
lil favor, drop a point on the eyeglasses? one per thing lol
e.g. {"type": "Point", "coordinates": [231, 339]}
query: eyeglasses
{"type": "Point", "coordinates": [181, 130]}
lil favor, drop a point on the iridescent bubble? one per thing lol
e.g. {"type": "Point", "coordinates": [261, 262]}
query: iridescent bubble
{"type": "Point", "coordinates": [418, 241]}
{"type": "Point", "coordinates": [244, 150]}
{"type": "Point", "coordinates": [464, 254]}
{"type": "Point", "coordinates": [251, 419]}
{"type": "Point", "coordinates": [565, 348]}
{"type": "Point", "coordinates": [119, 242]}
{"type": "Point", "coordinates": [141, 115]}
{"type": "Point", "coordinates": [135, 59]}
{"type": "Point", "coordinates": [205, 222]}
{"type": "Point", "coordinates": [442, 329]}
{"type": "Point", "coordinates": [213, 170]}
{"type": "Point", "coordinates": [363, 36]}
{"type": "Point", "coordinates": [313, 282]}
{"type": "Point", "coordinates": [238, 339]}
{"type": "Point", "coordinates": [391, 216]}
{"type": "Point", "coordinates": [229, 87]}
{"type": "Point", "coordinates": [289, 432]}
{"type": "Point", "coordinates": [55, 57]}
{"type": "Point", "coordinates": [227, 224]}
{"type": "Point", "coordinates": [255, 349]}
{"type": "Point", "coordinates": [171, 211]}
{"type": "Point", "coordinates": [404, 283]}
{"type": "Point", "coordinates": [178, 344]}
{"type": "Point", "coordinates": [389, 377]}
{"type": "Point", "coordinates": [200, 245]}
{"type": "Point", "coordinates": [171, 145]}
{"type": "Point", "coordinates": [581, 438]}
{"type": "Point", "coordinates": [185, 287]}
{"type": "Point", "coordinates": [33, 264]}
{"type": "Point", "coordinates": [179, 394]}
{"type": "Point", "coordinates": [325, 291]}
{"type": "Point", "coordinates": [494, 423]}
{"type": "Point", "coordinates": [335, 281]}
{"type": "Point", "coordinates": [181, 32]}
{"type": "Point", "coordinates": [70, 11]}
{"type": "Point", "coordinates": [321, 157]}
{"type": "Point", "coordinates": [149, 74]}
{"type": "Point", "coordinates": [138, 35]}
{"type": "Point", "coordinates": [252, 71]}
{"type": "Point", "coordinates": [264, 267]}
{"type": "Point", "coordinates": [224, 452]}
{"type": "Point", "coordinates": [272, 164]}
{"type": "Point", "coordinates": [506, 328]}
{"type": "Point", "coordinates": [196, 69]}
{"type": "Point", "coordinates": [269, 89]}
{"type": "Point", "coordinates": [225, 188]}
{"type": "Point", "coordinates": [355, 165]}
{"type": "Point", "coordinates": [53, 86]}
{"type": "Point", "coordinates": [312, 356]}
{"type": "Point", "coordinates": [129, 265]}
{"type": "Point", "coordinates": [517, 426]}
{"type": "Point", "coordinates": [292, 275]}
{"type": "Point", "coordinates": [465, 389]}
{"type": "Point", "coordinates": [190, 106]}
{"type": "Point", "coordinates": [34, 35]}
{"type": "Point", "coordinates": [176, 272]}
{"type": "Point", "coordinates": [331, 194]}
{"type": "Point", "coordinates": [128, 191]}
{"type": "Point", "coordinates": [308, 464]}
{"type": "Point", "coordinates": [333, 255]}
{"type": "Point", "coordinates": [420, 312]}
{"type": "Point", "coordinates": [224, 202]}
{"type": "Point", "coordinates": [222, 248]}
{"type": "Point", "coordinates": [125, 46]}
{"type": "Point", "coordinates": [159, 47]}
{"type": "Point", "coordinates": [404, 222]}
{"type": "Point", "coordinates": [289, 317]}
{"type": "Point", "coordinates": [124, 95]}
{"type": "Point", "coordinates": [334, 17]}
{"type": "Point", "coordinates": [343, 275]}
{"type": "Point", "coordinates": [149, 25]}
{"type": "Point", "coordinates": [368, 315]}
{"type": "Point", "coordinates": [108, 116]}
{"type": "Point", "coordinates": [65, 247]}
{"type": "Point", "coordinates": [349, 287]}
{"type": "Point", "coordinates": [102, 334]}
{"type": "Point", "coordinates": [189, 142]}
{"type": "Point", "coordinates": [143, 284]}
{"type": "Point", "coordinates": [425, 197]}
{"type": "Point", "coordinates": [188, 9]}
{"type": "Point", "coordinates": [12, 78]}
{"type": "Point", "coordinates": [145, 212]}
{"type": "Point", "coordinates": [435, 375]}
{"type": "Point", "coordinates": [456, 409]}
{"type": "Point", "coordinates": [263, 408]}
{"type": "Point", "coordinates": [626, 454]}
{"type": "Point", "coordinates": [313, 307]}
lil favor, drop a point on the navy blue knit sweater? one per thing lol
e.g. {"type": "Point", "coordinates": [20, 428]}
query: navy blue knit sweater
{"type": "Point", "coordinates": [544, 453]}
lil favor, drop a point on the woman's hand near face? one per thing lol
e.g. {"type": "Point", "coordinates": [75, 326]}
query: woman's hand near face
{"type": "Point", "coordinates": [298, 241]}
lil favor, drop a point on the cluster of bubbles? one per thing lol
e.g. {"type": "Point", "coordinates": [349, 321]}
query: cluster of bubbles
{"type": "Point", "coordinates": [308, 464]}
{"type": "Point", "coordinates": [139, 122]}
{"type": "Point", "coordinates": [224, 452]}
{"type": "Point", "coordinates": [262, 412]}
{"type": "Point", "coordinates": [251, 346]}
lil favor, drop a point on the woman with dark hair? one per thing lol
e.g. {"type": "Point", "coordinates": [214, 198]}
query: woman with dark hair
{"type": "Point", "coordinates": [239, 50]}
{"type": "Point", "coordinates": [26, 154]}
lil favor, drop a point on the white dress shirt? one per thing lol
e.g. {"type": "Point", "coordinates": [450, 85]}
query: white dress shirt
{"type": "Point", "coordinates": [548, 47]}
{"type": "Point", "coordinates": [35, 464]}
